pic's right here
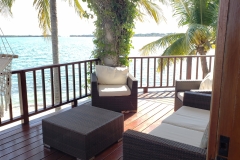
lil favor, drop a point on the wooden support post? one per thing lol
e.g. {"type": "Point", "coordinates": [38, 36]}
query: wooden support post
{"type": "Point", "coordinates": [74, 103]}
{"type": "Point", "coordinates": [145, 90]}
{"type": "Point", "coordinates": [23, 96]}
{"type": "Point", "coordinates": [224, 142]}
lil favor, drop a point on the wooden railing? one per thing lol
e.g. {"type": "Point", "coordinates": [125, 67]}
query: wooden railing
{"type": "Point", "coordinates": [177, 68]}
{"type": "Point", "coordinates": [33, 89]}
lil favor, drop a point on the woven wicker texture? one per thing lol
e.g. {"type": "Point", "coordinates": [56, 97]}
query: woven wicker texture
{"type": "Point", "coordinates": [141, 146]}
{"type": "Point", "coordinates": [115, 103]}
{"type": "Point", "coordinates": [137, 145]}
{"type": "Point", "coordinates": [197, 100]}
{"type": "Point", "coordinates": [83, 131]}
{"type": "Point", "coordinates": [186, 85]}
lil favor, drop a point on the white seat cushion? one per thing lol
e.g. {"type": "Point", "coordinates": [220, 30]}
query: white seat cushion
{"type": "Point", "coordinates": [206, 83]}
{"type": "Point", "coordinates": [178, 134]}
{"type": "Point", "coordinates": [193, 112]}
{"type": "Point", "coordinates": [180, 95]}
{"type": "Point", "coordinates": [113, 90]}
{"type": "Point", "coordinates": [111, 75]}
{"type": "Point", "coordinates": [194, 123]}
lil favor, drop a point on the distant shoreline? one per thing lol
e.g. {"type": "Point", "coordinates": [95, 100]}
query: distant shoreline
{"type": "Point", "coordinates": [136, 35]}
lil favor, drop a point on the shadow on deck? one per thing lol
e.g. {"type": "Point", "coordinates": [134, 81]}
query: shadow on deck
{"type": "Point", "coordinates": [25, 141]}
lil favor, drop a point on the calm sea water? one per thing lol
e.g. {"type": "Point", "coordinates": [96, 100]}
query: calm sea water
{"type": "Point", "coordinates": [37, 51]}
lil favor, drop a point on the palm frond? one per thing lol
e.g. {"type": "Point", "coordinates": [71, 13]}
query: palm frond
{"type": "Point", "coordinates": [179, 47]}
{"type": "Point", "coordinates": [140, 16]}
{"type": "Point", "coordinates": [181, 11]}
{"type": "Point", "coordinates": [162, 42]}
{"type": "Point", "coordinates": [151, 9]}
{"type": "Point", "coordinates": [197, 34]}
{"type": "Point", "coordinates": [77, 6]}
{"type": "Point", "coordinates": [193, 52]}
{"type": "Point", "coordinates": [5, 7]}
{"type": "Point", "coordinates": [43, 15]}
{"type": "Point", "coordinates": [204, 12]}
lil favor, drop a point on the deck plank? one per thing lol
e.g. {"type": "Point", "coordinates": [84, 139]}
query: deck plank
{"type": "Point", "coordinates": [20, 145]}
{"type": "Point", "coordinates": [146, 116]}
{"type": "Point", "coordinates": [147, 107]}
{"type": "Point", "coordinates": [117, 154]}
{"type": "Point", "coordinates": [25, 151]}
{"type": "Point", "coordinates": [22, 135]}
{"type": "Point", "coordinates": [14, 141]}
{"type": "Point", "coordinates": [55, 155]}
{"type": "Point", "coordinates": [154, 118]}
{"type": "Point", "coordinates": [157, 123]}
{"type": "Point", "coordinates": [25, 141]}
{"type": "Point", "coordinates": [108, 151]}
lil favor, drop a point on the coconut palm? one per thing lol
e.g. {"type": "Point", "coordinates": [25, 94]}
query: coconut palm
{"type": "Point", "coordinates": [47, 15]}
{"type": "Point", "coordinates": [201, 18]}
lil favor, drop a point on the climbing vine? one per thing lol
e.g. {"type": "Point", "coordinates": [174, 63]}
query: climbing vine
{"type": "Point", "coordinates": [114, 28]}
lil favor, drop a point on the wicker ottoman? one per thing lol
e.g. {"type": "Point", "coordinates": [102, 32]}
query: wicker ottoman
{"type": "Point", "coordinates": [83, 131]}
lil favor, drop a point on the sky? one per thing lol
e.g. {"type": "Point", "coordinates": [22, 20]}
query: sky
{"type": "Point", "coordinates": [25, 22]}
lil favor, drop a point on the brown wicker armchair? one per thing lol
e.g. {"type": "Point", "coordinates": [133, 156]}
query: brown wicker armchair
{"type": "Point", "coordinates": [138, 145]}
{"type": "Point", "coordinates": [115, 103]}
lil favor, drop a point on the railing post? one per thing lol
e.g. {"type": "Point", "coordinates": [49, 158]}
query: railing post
{"type": "Point", "coordinates": [74, 103]}
{"type": "Point", "coordinates": [189, 68]}
{"type": "Point", "coordinates": [23, 96]}
{"type": "Point", "coordinates": [145, 90]}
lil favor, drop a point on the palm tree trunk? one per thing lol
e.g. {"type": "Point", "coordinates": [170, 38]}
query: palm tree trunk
{"type": "Point", "coordinates": [205, 70]}
{"type": "Point", "coordinates": [55, 54]}
{"type": "Point", "coordinates": [204, 66]}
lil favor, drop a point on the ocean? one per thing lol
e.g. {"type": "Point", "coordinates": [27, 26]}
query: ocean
{"type": "Point", "coordinates": [37, 51]}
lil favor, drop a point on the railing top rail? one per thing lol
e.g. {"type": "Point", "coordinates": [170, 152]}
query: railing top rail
{"type": "Point", "coordinates": [171, 56]}
{"type": "Point", "coordinates": [91, 60]}
{"type": "Point", "coordinates": [53, 65]}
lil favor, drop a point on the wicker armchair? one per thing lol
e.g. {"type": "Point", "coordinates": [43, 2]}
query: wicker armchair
{"type": "Point", "coordinates": [137, 145]}
{"type": "Point", "coordinates": [115, 103]}
{"type": "Point", "coordinates": [186, 85]}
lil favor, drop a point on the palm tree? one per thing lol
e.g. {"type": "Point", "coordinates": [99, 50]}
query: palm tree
{"type": "Point", "coordinates": [201, 18]}
{"type": "Point", "coordinates": [47, 10]}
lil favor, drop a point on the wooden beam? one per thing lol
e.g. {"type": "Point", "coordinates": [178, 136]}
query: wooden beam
{"type": "Point", "coordinates": [230, 100]}
{"type": "Point", "coordinates": [217, 76]}
{"type": "Point", "coordinates": [226, 88]}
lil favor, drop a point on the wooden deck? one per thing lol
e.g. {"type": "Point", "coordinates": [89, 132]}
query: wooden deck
{"type": "Point", "coordinates": [25, 141]}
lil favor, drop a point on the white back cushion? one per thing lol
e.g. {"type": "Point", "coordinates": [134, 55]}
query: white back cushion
{"type": "Point", "coordinates": [111, 75]}
{"type": "Point", "coordinates": [178, 134]}
{"type": "Point", "coordinates": [194, 123]}
{"type": "Point", "coordinates": [206, 83]}
{"type": "Point", "coordinates": [113, 90]}
{"type": "Point", "coordinates": [193, 112]}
